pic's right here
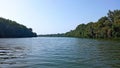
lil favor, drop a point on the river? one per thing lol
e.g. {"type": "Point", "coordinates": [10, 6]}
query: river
{"type": "Point", "coordinates": [58, 52]}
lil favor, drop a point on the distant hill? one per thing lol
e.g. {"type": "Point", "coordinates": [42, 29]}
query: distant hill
{"type": "Point", "coordinates": [11, 29]}
{"type": "Point", "coordinates": [106, 27]}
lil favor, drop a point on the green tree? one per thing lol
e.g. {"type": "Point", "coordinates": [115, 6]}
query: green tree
{"type": "Point", "coordinates": [106, 27]}
{"type": "Point", "coordinates": [9, 28]}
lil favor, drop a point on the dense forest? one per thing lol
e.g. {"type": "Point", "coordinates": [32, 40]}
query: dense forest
{"type": "Point", "coordinates": [106, 27]}
{"type": "Point", "coordinates": [9, 28]}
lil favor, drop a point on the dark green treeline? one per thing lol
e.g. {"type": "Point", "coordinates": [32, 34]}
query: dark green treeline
{"type": "Point", "coordinates": [106, 27]}
{"type": "Point", "coordinates": [11, 29]}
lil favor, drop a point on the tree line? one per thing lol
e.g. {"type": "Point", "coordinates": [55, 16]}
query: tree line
{"type": "Point", "coordinates": [106, 27]}
{"type": "Point", "coordinates": [9, 28]}
{"type": "Point", "coordinates": [52, 35]}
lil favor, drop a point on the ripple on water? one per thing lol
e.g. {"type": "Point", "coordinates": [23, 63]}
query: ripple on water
{"type": "Point", "coordinates": [49, 52]}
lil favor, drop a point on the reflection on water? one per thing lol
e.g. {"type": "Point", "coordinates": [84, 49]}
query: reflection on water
{"type": "Point", "coordinates": [57, 52]}
{"type": "Point", "coordinates": [10, 53]}
{"type": "Point", "coordinates": [110, 53]}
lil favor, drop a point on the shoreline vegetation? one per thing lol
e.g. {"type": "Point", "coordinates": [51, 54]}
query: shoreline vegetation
{"type": "Point", "coordinates": [11, 29]}
{"type": "Point", "coordinates": [107, 27]}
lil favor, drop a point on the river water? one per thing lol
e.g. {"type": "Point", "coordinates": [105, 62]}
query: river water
{"type": "Point", "coordinates": [58, 52]}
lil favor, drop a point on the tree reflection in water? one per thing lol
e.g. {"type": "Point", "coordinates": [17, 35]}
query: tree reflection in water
{"type": "Point", "coordinates": [12, 55]}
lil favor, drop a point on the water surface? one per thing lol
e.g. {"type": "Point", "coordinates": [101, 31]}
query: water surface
{"type": "Point", "coordinates": [58, 52]}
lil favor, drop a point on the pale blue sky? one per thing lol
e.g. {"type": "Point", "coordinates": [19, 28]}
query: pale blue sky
{"type": "Point", "coordinates": [55, 16]}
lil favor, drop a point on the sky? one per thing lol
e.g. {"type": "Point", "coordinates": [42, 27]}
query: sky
{"type": "Point", "coordinates": [55, 16]}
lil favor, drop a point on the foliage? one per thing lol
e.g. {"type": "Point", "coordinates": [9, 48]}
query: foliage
{"type": "Point", "coordinates": [10, 28]}
{"type": "Point", "coordinates": [106, 27]}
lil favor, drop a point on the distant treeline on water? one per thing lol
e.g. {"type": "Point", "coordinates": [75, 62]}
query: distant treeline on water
{"type": "Point", "coordinates": [52, 35]}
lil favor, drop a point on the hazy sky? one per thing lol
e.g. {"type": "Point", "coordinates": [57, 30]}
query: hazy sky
{"type": "Point", "coordinates": [55, 16]}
